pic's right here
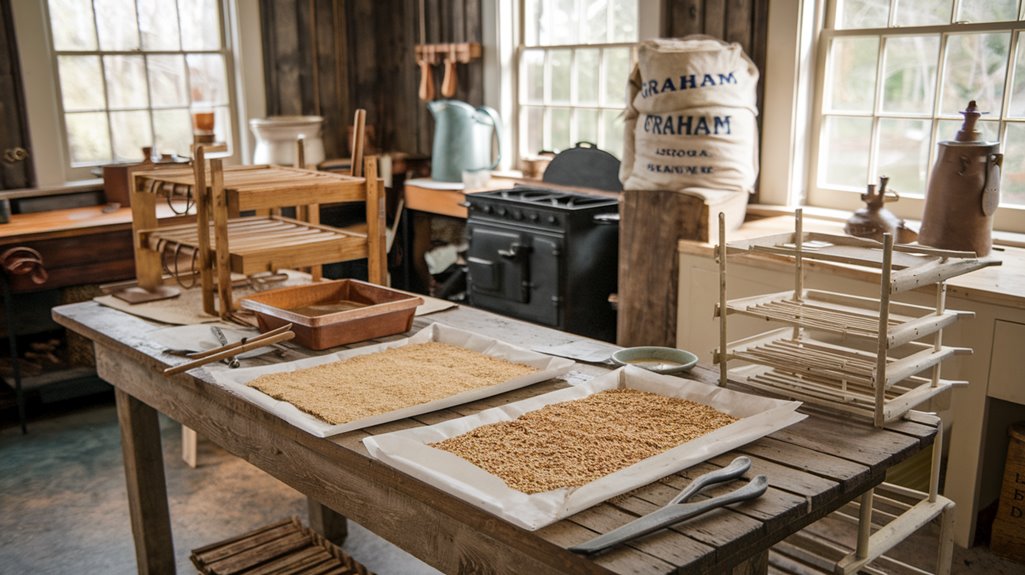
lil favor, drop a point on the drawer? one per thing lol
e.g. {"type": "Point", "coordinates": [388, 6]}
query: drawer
{"type": "Point", "coordinates": [1007, 362]}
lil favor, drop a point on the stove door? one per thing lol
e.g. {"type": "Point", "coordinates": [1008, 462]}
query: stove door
{"type": "Point", "coordinates": [499, 264]}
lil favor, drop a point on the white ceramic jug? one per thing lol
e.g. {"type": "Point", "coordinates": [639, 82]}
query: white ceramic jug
{"type": "Point", "coordinates": [276, 137]}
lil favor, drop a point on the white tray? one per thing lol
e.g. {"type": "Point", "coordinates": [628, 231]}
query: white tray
{"type": "Point", "coordinates": [548, 367]}
{"type": "Point", "coordinates": [408, 450]}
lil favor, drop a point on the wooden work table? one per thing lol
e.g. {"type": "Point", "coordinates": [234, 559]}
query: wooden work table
{"type": "Point", "coordinates": [813, 467]}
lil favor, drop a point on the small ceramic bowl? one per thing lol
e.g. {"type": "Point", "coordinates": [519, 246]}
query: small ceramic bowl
{"type": "Point", "coordinates": [668, 360]}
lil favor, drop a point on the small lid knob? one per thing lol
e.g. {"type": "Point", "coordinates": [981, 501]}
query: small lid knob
{"type": "Point", "coordinates": [968, 131]}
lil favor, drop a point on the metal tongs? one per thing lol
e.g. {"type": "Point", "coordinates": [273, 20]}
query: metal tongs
{"type": "Point", "coordinates": [283, 333]}
{"type": "Point", "coordinates": [678, 510]}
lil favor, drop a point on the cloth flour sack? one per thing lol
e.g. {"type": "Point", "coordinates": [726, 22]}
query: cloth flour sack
{"type": "Point", "coordinates": [691, 118]}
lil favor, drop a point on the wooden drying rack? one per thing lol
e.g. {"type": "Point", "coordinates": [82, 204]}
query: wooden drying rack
{"type": "Point", "coordinates": [248, 245]}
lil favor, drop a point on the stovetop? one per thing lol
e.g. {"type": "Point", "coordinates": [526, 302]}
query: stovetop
{"type": "Point", "coordinates": [544, 197]}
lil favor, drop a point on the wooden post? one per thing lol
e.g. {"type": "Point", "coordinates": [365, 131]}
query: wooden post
{"type": "Point", "coordinates": [324, 520]}
{"type": "Point", "coordinates": [798, 263]}
{"type": "Point", "coordinates": [377, 255]}
{"type": "Point", "coordinates": [864, 524]}
{"type": "Point", "coordinates": [202, 198]}
{"type": "Point", "coordinates": [146, 485]}
{"type": "Point", "coordinates": [937, 342]}
{"type": "Point", "coordinates": [219, 205]}
{"type": "Point", "coordinates": [721, 250]}
{"type": "Point", "coordinates": [882, 348]}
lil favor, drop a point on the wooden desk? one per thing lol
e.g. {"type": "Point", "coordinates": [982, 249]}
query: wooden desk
{"type": "Point", "coordinates": [813, 467]}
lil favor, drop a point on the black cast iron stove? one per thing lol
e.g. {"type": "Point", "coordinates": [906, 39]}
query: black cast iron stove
{"type": "Point", "coordinates": [546, 256]}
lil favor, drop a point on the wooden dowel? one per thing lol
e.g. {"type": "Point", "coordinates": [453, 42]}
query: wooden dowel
{"type": "Point", "coordinates": [233, 345]}
{"type": "Point", "coordinates": [722, 354]}
{"type": "Point", "coordinates": [229, 353]}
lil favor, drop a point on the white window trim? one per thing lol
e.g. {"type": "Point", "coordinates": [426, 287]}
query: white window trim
{"type": "Point", "coordinates": [502, 23]}
{"type": "Point", "coordinates": [52, 170]}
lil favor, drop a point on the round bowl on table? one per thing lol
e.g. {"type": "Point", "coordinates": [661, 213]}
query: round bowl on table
{"type": "Point", "coordinates": [666, 360]}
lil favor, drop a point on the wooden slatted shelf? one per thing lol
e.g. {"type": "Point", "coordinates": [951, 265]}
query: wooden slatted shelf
{"type": "Point", "coordinates": [267, 243]}
{"type": "Point", "coordinates": [808, 356]}
{"type": "Point", "coordinates": [847, 315]}
{"type": "Point", "coordinates": [896, 513]}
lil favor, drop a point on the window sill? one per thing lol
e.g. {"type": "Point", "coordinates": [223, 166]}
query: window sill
{"type": "Point", "coordinates": [1010, 239]}
{"type": "Point", "coordinates": [91, 185]}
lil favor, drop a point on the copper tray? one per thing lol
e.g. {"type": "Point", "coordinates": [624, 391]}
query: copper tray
{"type": "Point", "coordinates": [329, 314]}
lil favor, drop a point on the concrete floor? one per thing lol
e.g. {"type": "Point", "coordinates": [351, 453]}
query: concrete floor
{"type": "Point", "coordinates": [63, 508]}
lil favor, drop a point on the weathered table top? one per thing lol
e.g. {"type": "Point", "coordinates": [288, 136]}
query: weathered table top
{"type": "Point", "coordinates": [813, 467]}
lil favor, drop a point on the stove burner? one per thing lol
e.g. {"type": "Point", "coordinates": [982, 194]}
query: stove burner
{"type": "Point", "coordinates": [549, 197]}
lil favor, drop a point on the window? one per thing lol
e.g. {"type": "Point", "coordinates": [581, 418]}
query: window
{"type": "Point", "coordinates": [894, 75]}
{"type": "Point", "coordinates": [130, 73]}
{"type": "Point", "coordinates": [574, 60]}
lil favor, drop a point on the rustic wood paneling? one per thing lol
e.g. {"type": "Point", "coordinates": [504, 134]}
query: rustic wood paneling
{"type": "Point", "coordinates": [13, 174]}
{"type": "Point", "coordinates": [741, 21]}
{"type": "Point", "coordinates": [329, 57]}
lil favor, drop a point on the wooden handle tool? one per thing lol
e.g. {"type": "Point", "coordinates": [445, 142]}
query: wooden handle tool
{"type": "Point", "coordinates": [426, 91]}
{"type": "Point", "coordinates": [450, 82]}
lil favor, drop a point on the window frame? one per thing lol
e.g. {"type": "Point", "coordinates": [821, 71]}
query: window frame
{"type": "Point", "coordinates": [1009, 219]}
{"type": "Point", "coordinates": [503, 33]}
{"type": "Point", "coordinates": [240, 32]}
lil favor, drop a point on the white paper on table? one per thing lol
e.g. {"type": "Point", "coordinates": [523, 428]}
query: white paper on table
{"type": "Point", "coordinates": [195, 338]}
{"type": "Point", "coordinates": [581, 350]}
{"type": "Point", "coordinates": [547, 367]}
{"type": "Point", "coordinates": [409, 451]}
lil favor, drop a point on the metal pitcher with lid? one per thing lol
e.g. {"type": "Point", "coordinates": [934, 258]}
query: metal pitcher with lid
{"type": "Point", "coordinates": [462, 139]}
{"type": "Point", "coordinates": [963, 191]}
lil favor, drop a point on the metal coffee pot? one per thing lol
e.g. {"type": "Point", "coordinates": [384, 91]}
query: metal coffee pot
{"type": "Point", "coordinates": [963, 191]}
{"type": "Point", "coordinates": [874, 220]}
{"type": "Point", "coordinates": [462, 139]}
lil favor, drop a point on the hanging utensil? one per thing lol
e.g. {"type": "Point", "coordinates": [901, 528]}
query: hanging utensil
{"type": "Point", "coordinates": [425, 61]}
{"type": "Point", "coordinates": [450, 82]}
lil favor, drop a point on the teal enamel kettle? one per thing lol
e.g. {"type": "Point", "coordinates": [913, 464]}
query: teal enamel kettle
{"type": "Point", "coordinates": [462, 139]}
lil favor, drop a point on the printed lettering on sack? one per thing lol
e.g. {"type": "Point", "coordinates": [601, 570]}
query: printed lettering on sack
{"type": "Point", "coordinates": [685, 125]}
{"type": "Point", "coordinates": [686, 82]}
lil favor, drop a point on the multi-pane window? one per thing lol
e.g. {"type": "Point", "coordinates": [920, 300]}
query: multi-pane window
{"type": "Point", "coordinates": [896, 74]}
{"type": "Point", "coordinates": [132, 73]}
{"type": "Point", "coordinates": [575, 57]}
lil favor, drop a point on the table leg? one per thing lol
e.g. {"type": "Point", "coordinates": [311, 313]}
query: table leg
{"type": "Point", "coordinates": [324, 520]}
{"type": "Point", "coordinates": [757, 565]}
{"type": "Point", "coordinates": [147, 488]}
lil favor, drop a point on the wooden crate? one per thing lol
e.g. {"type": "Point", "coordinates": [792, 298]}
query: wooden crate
{"type": "Point", "coordinates": [283, 547]}
{"type": "Point", "coordinates": [1008, 538]}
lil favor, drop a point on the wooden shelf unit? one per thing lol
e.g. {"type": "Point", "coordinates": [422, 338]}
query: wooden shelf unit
{"type": "Point", "coordinates": [883, 382]}
{"type": "Point", "coordinates": [222, 243]}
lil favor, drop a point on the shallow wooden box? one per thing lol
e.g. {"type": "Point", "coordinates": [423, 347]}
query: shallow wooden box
{"type": "Point", "coordinates": [329, 314]}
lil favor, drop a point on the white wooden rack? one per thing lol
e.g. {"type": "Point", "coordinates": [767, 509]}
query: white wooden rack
{"type": "Point", "coordinates": [857, 355]}
{"type": "Point", "coordinates": [890, 370]}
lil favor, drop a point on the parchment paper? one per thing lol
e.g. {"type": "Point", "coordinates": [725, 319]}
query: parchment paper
{"type": "Point", "coordinates": [548, 368]}
{"type": "Point", "coordinates": [408, 449]}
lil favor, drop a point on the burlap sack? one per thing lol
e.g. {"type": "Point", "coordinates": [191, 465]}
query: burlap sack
{"type": "Point", "coordinates": [691, 118]}
{"type": "Point", "coordinates": [692, 72]}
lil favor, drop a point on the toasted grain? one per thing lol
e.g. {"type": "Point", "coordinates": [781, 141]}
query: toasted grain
{"type": "Point", "coordinates": [572, 443]}
{"type": "Point", "coordinates": [376, 383]}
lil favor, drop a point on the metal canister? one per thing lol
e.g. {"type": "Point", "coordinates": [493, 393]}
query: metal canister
{"type": "Point", "coordinates": [963, 191]}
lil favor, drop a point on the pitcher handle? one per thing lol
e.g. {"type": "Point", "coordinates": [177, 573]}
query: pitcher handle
{"type": "Point", "coordinates": [493, 114]}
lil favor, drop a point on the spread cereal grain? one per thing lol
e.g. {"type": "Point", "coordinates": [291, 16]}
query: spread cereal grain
{"type": "Point", "coordinates": [572, 443]}
{"type": "Point", "coordinates": [376, 383]}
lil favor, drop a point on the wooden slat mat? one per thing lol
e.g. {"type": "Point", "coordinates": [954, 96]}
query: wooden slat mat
{"type": "Point", "coordinates": [283, 547]}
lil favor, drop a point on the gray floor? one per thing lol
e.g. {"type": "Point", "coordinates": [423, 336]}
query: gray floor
{"type": "Point", "coordinates": [63, 509]}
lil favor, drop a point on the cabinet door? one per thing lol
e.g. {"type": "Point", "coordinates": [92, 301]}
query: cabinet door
{"type": "Point", "coordinates": [1007, 364]}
